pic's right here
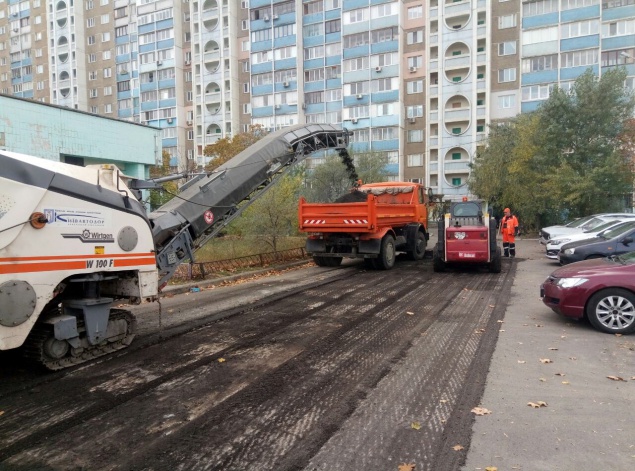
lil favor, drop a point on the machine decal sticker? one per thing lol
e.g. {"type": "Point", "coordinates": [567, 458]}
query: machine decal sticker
{"type": "Point", "coordinates": [209, 216]}
{"type": "Point", "coordinates": [88, 237]}
{"type": "Point", "coordinates": [77, 217]}
{"type": "Point", "coordinates": [459, 235]}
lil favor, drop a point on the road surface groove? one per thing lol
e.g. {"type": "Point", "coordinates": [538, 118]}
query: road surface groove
{"type": "Point", "coordinates": [298, 371]}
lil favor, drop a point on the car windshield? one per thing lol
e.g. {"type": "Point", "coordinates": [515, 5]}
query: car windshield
{"type": "Point", "coordinates": [618, 230]}
{"type": "Point", "coordinates": [592, 224]}
{"type": "Point", "coordinates": [579, 222]}
{"type": "Point", "coordinates": [601, 227]}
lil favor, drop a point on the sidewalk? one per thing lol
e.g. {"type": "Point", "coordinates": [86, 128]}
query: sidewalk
{"type": "Point", "coordinates": [588, 423]}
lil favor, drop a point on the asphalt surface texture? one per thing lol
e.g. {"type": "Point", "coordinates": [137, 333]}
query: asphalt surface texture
{"type": "Point", "coordinates": [338, 369]}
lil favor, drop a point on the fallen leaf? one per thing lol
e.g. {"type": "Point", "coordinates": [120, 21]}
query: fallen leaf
{"type": "Point", "coordinates": [539, 325]}
{"type": "Point", "coordinates": [573, 358]}
{"type": "Point", "coordinates": [410, 313]}
{"type": "Point", "coordinates": [458, 448]}
{"type": "Point", "coordinates": [616, 378]}
{"type": "Point", "coordinates": [480, 411]}
{"type": "Point", "coordinates": [492, 305]}
{"type": "Point", "coordinates": [479, 331]}
{"type": "Point", "coordinates": [553, 348]}
{"type": "Point", "coordinates": [406, 467]}
{"type": "Point", "coordinates": [537, 405]}
{"type": "Point", "coordinates": [545, 360]}
{"type": "Point", "coordinates": [522, 361]}
{"type": "Point", "coordinates": [221, 360]}
{"type": "Point", "coordinates": [544, 380]}
{"type": "Point", "coordinates": [563, 336]}
{"type": "Point", "coordinates": [415, 425]}
{"type": "Point", "coordinates": [618, 335]}
{"type": "Point", "coordinates": [565, 382]}
{"type": "Point", "coordinates": [491, 468]}
{"type": "Point", "coordinates": [1, 412]}
{"type": "Point", "coordinates": [500, 322]}
{"type": "Point", "coordinates": [502, 330]}
{"type": "Point", "coordinates": [443, 401]}
{"type": "Point", "coordinates": [559, 374]}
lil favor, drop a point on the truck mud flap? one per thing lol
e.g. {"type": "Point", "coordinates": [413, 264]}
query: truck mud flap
{"type": "Point", "coordinates": [370, 246]}
{"type": "Point", "coordinates": [315, 246]}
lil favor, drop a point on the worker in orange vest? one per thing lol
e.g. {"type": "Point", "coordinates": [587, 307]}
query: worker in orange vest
{"type": "Point", "coordinates": [509, 229]}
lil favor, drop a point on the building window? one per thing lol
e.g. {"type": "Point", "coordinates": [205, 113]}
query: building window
{"type": "Point", "coordinates": [246, 87]}
{"type": "Point", "coordinates": [105, 18]}
{"type": "Point", "coordinates": [414, 86]}
{"type": "Point", "coordinates": [456, 181]}
{"type": "Point", "coordinates": [579, 28]}
{"type": "Point", "coordinates": [456, 156]}
{"type": "Point", "coordinates": [415, 135]}
{"type": "Point", "coordinates": [414, 37]}
{"type": "Point", "coordinates": [415, 160]}
{"type": "Point", "coordinates": [107, 72]}
{"type": "Point", "coordinates": [507, 21]}
{"type": "Point", "coordinates": [506, 101]}
{"type": "Point", "coordinates": [90, 40]}
{"type": "Point", "coordinates": [507, 48]}
{"type": "Point", "coordinates": [506, 75]}
{"type": "Point", "coordinates": [90, 22]}
{"type": "Point", "coordinates": [537, 64]}
{"type": "Point", "coordinates": [415, 12]}
{"type": "Point", "coordinates": [415, 111]}
{"type": "Point", "coordinates": [415, 61]}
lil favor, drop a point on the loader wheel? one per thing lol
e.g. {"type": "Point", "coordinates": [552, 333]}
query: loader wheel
{"type": "Point", "coordinates": [320, 261]}
{"type": "Point", "coordinates": [495, 263]}
{"type": "Point", "coordinates": [388, 253]}
{"type": "Point", "coordinates": [438, 264]}
{"type": "Point", "coordinates": [419, 251]}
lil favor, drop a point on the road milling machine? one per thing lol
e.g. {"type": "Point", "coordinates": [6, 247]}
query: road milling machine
{"type": "Point", "coordinates": [76, 240]}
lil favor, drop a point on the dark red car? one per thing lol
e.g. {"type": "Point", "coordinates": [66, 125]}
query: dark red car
{"type": "Point", "coordinates": [602, 290]}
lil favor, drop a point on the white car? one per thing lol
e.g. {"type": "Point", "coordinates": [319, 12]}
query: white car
{"type": "Point", "coordinates": [579, 225]}
{"type": "Point", "coordinates": [553, 245]}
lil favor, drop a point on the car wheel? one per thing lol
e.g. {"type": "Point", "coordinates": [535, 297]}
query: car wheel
{"type": "Point", "coordinates": [419, 251]}
{"type": "Point", "coordinates": [612, 311]}
{"type": "Point", "coordinates": [388, 253]}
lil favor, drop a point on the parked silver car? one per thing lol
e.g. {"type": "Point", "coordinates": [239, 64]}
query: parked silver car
{"type": "Point", "coordinates": [579, 225]}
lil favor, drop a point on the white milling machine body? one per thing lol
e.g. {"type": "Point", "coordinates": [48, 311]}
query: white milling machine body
{"type": "Point", "coordinates": [75, 240]}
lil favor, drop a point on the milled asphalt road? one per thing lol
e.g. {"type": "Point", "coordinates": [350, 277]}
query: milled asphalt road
{"type": "Point", "coordinates": [588, 423]}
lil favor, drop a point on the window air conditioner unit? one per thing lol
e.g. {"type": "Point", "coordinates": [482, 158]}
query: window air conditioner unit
{"type": "Point", "coordinates": [277, 107]}
{"type": "Point", "coordinates": [412, 120]}
{"type": "Point", "coordinates": [413, 69]}
{"type": "Point", "coordinates": [187, 62]}
{"type": "Point", "coordinates": [123, 72]}
{"type": "Point", "coordinates": [354, 120]}
{"type": "Point", "coordinates": [189, 123]}
{"type": "Point", "coordinates": [266, 18]}
{"type": "Point", "coordinates": [159, 63]}
{"type": "Point", "coordinates": [285, 84]}
{"type": "Point", "coordinates": [275, 17]}
{"type": "Point", "coordinates": [169, 120]}
{"type": "Point", "coordinates": [377, 69]}
{"type": "Point", "coordinates": [360, 96]}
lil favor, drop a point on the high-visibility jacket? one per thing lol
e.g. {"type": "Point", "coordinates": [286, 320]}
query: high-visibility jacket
{"type": "Point", "coordinates": [509, 224]}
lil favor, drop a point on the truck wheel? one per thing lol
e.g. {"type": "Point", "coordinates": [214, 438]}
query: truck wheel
{"type": "Point", "coordinates": [495, 263]}
{"type": "Point", "coordinates": [612, 311]}
{"type": "Point", "coordinates": [320, 261]}
{"type": "Point", "coordinates": [437, 262]}
{"type": "Point", "coordinates": [333, 261]}
{"type": "Point", "coordinates": [388, 253]}
{"type": "Point", "coordinates": [419, 251]}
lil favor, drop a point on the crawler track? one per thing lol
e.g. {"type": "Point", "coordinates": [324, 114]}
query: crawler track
{"type": "Point", "coordinates": [328, 378]}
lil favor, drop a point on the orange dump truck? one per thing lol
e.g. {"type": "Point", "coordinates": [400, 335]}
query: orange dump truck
{"type": "Point", "coordinates": [373, 222]}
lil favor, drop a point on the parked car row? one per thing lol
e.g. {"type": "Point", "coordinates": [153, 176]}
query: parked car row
{"type": "Point", "coordinates": [597, 280]}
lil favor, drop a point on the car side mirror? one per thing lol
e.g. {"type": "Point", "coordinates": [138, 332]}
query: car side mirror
{"type": "Point", "coordinates": [627, 240]}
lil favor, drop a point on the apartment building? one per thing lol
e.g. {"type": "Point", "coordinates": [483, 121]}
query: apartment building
{"type": "Point", "coordinates": [416, 81]}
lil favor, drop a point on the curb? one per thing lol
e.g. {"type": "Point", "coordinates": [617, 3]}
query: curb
{"type": "Point", "coordinates": [191, 286]}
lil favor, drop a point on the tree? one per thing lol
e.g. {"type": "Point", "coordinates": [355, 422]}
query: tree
{"type": "Point", "coordinates": [330, 180]}
{"type": "Point", "coordinates": [160, 197]}
{"type": "Point", "coordinates": [371, 166]}
{"type": "Point", "coordinates": [571, 157]}
{"type": "Point", "coordinates": [273, 215]}
{"type": "Point", "coordinates": [226, 148]}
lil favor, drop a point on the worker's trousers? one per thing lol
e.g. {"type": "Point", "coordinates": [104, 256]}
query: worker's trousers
{"type": "Point", "coordinates": [509, 245]}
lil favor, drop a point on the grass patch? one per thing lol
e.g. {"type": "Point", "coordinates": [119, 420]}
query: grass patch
{"type": "Point", "coordinates": [228, 247]}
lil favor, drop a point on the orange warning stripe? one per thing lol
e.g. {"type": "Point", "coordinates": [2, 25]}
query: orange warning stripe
{"type": "Point", "coordinates": [74, 257]}
{"type": "Point", "coordinates": [42, 266]}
